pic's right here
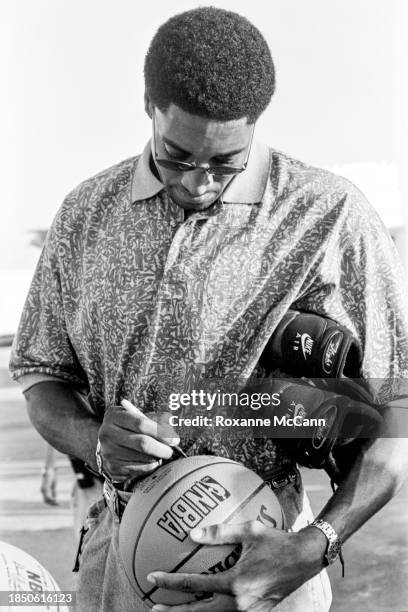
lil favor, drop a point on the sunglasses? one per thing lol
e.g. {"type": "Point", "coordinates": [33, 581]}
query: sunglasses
{"type": "Point", "coordinates": [181, 166]}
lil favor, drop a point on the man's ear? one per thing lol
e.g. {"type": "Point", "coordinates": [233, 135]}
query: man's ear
{"type": "Point", "coordinates": [148, 106]}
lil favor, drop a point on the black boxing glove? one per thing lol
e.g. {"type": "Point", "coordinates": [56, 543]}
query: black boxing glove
{"type": "Point", "coordinates": [307, 344]}
{"type": "Point", "coordinates": [321, 426]}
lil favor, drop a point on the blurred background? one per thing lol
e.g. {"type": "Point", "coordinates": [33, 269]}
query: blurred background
{"type": "Point", "coordinates": [72, 76]}
{"type": "Point", "coordinates": [72, 105]}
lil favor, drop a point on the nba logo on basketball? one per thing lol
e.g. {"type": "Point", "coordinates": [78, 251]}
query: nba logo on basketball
{"type": "Point", "coordinates": [192, 506]}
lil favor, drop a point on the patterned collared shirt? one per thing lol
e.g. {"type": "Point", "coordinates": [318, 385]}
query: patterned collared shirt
{"type": "Point", "coordinates": [130, 299]}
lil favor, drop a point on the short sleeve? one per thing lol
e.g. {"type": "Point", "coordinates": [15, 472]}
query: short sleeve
{"type": "Point", "coordinates": [42, 345]}
{"type": "Point", "coordinates": [359, 281]}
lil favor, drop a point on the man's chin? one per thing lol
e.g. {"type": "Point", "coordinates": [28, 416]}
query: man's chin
{"type": "Point", "coordinates": [192, 206]}
{"type": "Point", "coordinates": [194, 203]}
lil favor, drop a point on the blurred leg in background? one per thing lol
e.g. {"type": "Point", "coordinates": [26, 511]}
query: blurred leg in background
{"type": "Point", "coordinates": [49, 476]}
{"type": "Point", "coordinates": [86, 489]}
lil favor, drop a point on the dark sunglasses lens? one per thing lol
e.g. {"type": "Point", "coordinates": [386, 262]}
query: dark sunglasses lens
{"type": "Point", "coordinates": [174, 165]}
{"type": "Point", "coordinates": [224, 170]}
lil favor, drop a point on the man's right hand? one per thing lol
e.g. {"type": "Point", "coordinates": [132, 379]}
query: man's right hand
{"type": "Point", "coordinates": [132, 444]}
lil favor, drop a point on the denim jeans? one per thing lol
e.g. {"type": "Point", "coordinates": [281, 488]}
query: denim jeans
{"type": "Point", "coordinates": [104, 587]}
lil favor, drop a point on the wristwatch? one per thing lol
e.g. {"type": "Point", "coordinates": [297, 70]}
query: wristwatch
{"type": "Point", "coordinates": [334, 543]}
{"type": "Point", "coordinates": [99, 463]}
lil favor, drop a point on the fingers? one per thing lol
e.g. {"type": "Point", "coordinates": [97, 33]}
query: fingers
{"type": "Point", "coordinates": [165, 430]}
{"type": "Point", "coordinates": [130, 443]}
{"type": "Point", "coordinates": [136, 422]}
{"type": "Point", "coordinates": [154, 424]}
{"type": "Point", "coordinates": [132, 471]}
{"type": "Point", "coordinates": [227, 534]}
{"type": "Point", "coordinates": [214, 603]}
{"type": "Point", "coordinates": [127, 455]}
{"type": "Point", "coordinates": [193, 583]}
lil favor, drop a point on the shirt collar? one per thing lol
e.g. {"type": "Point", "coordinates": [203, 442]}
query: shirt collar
{"type": "Point", "coordinates": [246, 188]}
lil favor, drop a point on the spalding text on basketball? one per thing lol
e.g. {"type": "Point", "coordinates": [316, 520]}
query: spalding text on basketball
{"type": "Point", "coordinates": [226, 564]}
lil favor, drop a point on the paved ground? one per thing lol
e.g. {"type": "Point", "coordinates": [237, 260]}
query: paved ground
{"type": "Point", "coordinates": [376, 557]}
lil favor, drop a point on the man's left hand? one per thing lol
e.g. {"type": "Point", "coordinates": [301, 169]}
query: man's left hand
{"type": "Point", "coordinates": [273, 564]}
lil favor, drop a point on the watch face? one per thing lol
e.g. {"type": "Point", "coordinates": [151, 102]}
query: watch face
{"type": "Point", "coordinates": [333, 551]}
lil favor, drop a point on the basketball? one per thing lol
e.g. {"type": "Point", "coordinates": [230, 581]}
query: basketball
{"type": "Point", "coordinates": [19, 572]}
{"type": "Point", "coordinates": [187, 493]}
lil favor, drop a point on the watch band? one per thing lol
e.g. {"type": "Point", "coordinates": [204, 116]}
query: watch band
{"type": "Point", "coordinates": [334, 543]}
{"type": "Point", "coordinates": [99, 463]}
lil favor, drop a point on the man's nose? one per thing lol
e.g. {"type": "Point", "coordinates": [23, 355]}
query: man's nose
{"type": "Point", "coordinates": [196, 181]}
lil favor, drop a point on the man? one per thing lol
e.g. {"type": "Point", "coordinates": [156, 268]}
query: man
{"type": "Point", "coordinates": [177, 266]}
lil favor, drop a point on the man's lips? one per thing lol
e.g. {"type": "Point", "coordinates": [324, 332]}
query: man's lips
{"type": "Point", "coordinates": [185, 197]}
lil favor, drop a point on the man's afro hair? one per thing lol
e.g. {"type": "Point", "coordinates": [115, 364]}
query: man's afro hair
{"type": "Point", "coordinates": [212, 63]}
